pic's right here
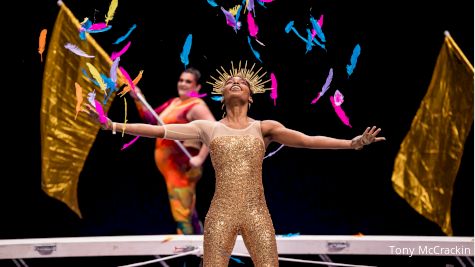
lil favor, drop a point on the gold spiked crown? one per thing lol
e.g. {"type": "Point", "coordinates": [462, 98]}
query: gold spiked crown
{"type": "Point", "coordinates": [252, 77]}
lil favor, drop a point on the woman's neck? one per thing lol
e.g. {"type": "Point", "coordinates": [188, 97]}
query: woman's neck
{"type": "Point", "coordinates": [237, 115]}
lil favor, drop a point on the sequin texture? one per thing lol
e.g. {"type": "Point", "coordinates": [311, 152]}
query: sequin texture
{"type": "Point", "coordinates": [238, 205]}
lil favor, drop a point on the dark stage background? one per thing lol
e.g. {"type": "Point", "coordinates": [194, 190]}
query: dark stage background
{"type": "Point", "coordinates": [320, 192]}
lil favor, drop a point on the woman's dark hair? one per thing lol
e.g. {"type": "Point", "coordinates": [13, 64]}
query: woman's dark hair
{"type": "Point", "coordinates": [195, 72]}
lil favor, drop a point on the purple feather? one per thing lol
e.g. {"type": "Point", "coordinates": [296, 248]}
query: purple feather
{"type": "Point", "coordinates": [230, 19]}
{"type": "Point", "coordinates": [113, 71]}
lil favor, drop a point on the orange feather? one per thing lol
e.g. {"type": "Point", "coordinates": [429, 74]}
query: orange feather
{"type": "Point", "coordinates": [135, 81]}
{"type": "Point", "coordinates": [42, 43]}
{"type": "Point", "coordinates": [79, 98]}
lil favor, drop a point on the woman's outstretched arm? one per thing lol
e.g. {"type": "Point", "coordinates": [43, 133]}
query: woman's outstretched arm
{"type": "Point", "coordinates": [180, 132]}
{"type": "Point", "coordinates": [276, 132]}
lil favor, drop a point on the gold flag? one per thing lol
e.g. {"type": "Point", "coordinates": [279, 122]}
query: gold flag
{"type": "Point", "coordinates": [430, 154]}
{"type": "Point", "coordinates": [66, 141]}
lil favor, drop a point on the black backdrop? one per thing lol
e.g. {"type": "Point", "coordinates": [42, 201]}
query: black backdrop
{"type": "Point", "coordinates": [308, 191]}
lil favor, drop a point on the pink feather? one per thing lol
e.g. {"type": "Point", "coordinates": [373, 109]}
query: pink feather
{"type": "Point", "coordinates": [314, 32]}
{"type": "Point", "coordinates": [122, 51]}
{"type": "Point", "coordinates": [130, 143]}
{"type": "Point", "coordinates": [325, 87]}
{"type": "Point", "coordinates": [253, 29]}
{"type": "Point", "coordinates": [97, 26]}
{"type": "Point", "coordinates": [338, 97]}
{"type": "Point", "coordinates": [320, 21]}
{"type": "Point", "coordinates": [196, 94]}
{"type": "Point", "coordinates": [102, 116]}
{"type": "Point", "coordinates": [316, 98]}
{"type": "Point", "coordinates": [273, 92]}
{"type": "Point", "coordinates": [341, 114]}
{"type": "Point", "coordinates": [266, 1]}
{"type": "Point", "coordinates": [127, 77]}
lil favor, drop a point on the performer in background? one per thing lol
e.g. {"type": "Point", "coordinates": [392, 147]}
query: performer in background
{"type": "Point", "coordinates": [181, 173]}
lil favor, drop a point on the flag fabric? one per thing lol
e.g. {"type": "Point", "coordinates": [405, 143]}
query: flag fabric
{"type": "Point", "coordinates": [429, 157]}
{"type": "Point", "coordinates": [65, 142]}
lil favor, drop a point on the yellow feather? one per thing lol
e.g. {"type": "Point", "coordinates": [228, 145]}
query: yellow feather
{"type": "Point", "coordinates": [95, 73]}
{"type": "Point", "coordinates": [125, 117]}
{"type": "Point", "coordinates": [112, 8]}
{"type": "Point", "coordinates": [42, 43]}
{"type": "Point", "coordinates": [234, 10]}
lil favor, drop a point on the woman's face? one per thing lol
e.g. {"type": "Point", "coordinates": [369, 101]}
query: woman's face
{"type": "Point", "coordinates": [186, 84]}
{"type": "Point", "coordinates": [237, 86]}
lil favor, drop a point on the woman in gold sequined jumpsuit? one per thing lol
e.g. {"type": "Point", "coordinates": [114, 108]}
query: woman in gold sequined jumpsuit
{"type": "Point", "coordinates": [237, 144]}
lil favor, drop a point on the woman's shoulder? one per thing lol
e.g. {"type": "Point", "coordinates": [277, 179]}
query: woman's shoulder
{"type": "Point", "coordinates": [268, 125]}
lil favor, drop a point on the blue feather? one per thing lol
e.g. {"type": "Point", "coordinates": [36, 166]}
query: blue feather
{"type": "Point", "coordinates": [237, 260]}
{"type": "Point", "coordinates": [289, 26]}
{"type": "Point", "coordinates": [317, 29]}
{"type": "Point", "coordinates": [319, 44]}
{"type": "Point", "coordinates": [82, 35]}
{"type": "Point", "coordinates": [256, 54]}
{"type": "Point", "coordinates": [309, 41]}
{"type": "Point", "coordinates": [87, 24]}
{"type": "Point", "coordinates": [290, 235]}
{"type": "Point", "coordinates": [212, 3]}
{"type": "Point", "coordinates": [84, 72]}
{"type": "Point", "coordinates": [109, 83]}
{"type": "Point", "coordinates": [186, 50]}
{"type": "Point", "coordinates": [122, 38]}
{"type": "Point", "coordinates": [353, 60]}
{"type": "Point", "coordinates": [261, 3]}
{"type": "Point", "coordinates": [238, 13]}
{"type": "Point", "coordinates": [216, 98]}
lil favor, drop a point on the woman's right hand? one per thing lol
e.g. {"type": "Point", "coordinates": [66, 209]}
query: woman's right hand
{"type": "Point", "coordinates": [94, 115]}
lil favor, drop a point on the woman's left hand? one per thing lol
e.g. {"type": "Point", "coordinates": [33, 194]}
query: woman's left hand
{"type": "Point", "coordinates": [369, 136]}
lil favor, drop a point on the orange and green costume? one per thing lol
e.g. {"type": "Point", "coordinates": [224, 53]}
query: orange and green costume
{"type": "Point", "coordinates": [180, 177]}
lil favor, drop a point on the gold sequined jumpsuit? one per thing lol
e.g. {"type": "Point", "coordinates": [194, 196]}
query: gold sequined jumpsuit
{"type": "Point", "coordinates": [238, 205]}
